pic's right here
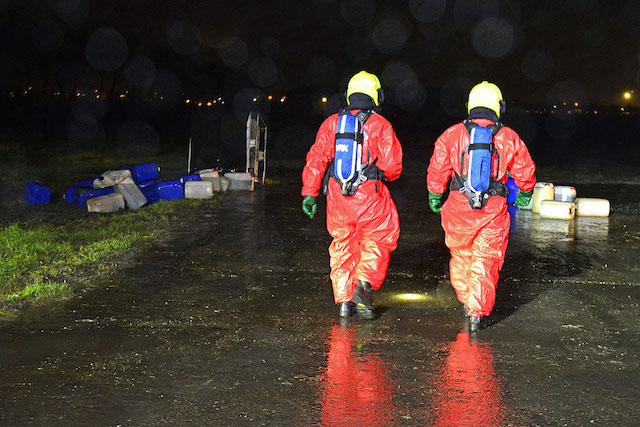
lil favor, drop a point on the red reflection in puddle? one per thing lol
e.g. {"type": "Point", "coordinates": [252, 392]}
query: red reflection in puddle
{"type": "Point", "coordinates": [468, 393]}
{"type": "Point", "coordinates": [355, 389]}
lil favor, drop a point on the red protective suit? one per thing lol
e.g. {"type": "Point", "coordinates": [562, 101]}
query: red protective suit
{"type": "Point", "coordinates": [477, 238]}
{"type": "Point", "coordinates": [365, 226]}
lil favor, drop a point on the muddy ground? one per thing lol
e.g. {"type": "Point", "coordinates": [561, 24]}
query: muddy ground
{"type": "Point", "coordinates": [232, 322]}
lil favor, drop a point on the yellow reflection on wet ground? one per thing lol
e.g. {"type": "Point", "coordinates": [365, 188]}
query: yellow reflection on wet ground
{"type": "Point", "coordinates": [412, 297]}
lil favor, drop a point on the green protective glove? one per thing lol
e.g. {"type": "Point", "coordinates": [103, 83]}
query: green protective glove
{"type": "Point", "coordinates": [523, 198]}
{"type": "Point", "coordinates": [435, 202]}
{"type": "Point", "coordinates": [309, 206]}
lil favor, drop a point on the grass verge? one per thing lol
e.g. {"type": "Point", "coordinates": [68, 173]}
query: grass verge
{"type": "Point", "coordinates": [41, 263]}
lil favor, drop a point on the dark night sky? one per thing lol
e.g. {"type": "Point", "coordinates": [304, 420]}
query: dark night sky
{"type": "Point", "coordinates": [536, 51]}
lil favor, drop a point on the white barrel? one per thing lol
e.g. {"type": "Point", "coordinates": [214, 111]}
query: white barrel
{"type": "Point", "coordinates": [208, 174]}
{"type": "Point", "coordinates": [133, 197]}
{"type": "Point", "coordinates": [224, 183]}
{"type": "Point", "coordinates": [555, 209]}
{"type": "Point", "coordinates": [198, 189]}
{"type": "Point", "coordinates": [239, 180]}
{"type": "Point", "coordinates": [111, 177]}
{"type": "Point", "coordinates": [107, 203]}
{"type": "Point", "coordinates": [542, 191]}
{"type": "Point", "coordinates": [217, 184]}
{"type": "Point", "coordinates": [565, 193]}
{"type": "Point", "coordinates": [592, 207]}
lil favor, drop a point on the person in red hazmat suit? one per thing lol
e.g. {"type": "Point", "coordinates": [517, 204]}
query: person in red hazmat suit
{"type": "Point", "coordinates": [477, 228]}
{"type": "Point", "coordinates": [364, 225]}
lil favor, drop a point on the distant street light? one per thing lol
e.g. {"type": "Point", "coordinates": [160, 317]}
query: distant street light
{"type": "Point", "coordinates": [627, 95]}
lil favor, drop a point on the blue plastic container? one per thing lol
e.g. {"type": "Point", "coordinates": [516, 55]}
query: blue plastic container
{"type": "Point", "coordinates": [37, 194]}
{"type": "Point", "coordinates": [150, 191]}
{"type": "Point", "coordinates": [146, 172]}
{"type": "Point", "coordinates": [84, 184]}
{"type": "Point", "coordinates": [169, 190]}
{"type": "Point", "coordinates": [146, 184]}
{"type": "Point", "coordinates": [194, 177]}
{"type": "Point", "coordinates": [513, 191]}
{"type": "Point", "coordinates": [69, 194]}
{"type": "Point", "coordinates": [82, 194]}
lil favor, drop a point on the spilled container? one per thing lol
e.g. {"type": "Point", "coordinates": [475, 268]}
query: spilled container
{"type": "Point", "coordinates": [555, 209]}
{"type": "Point", "coordinates": [36, 194]}
{"type": "Point", "coordinates": [146, 172]}
{"type": "Point", "coordinates": [133, 197]}
{"type": "Point", "coordinates": [169, 190]}
{"type": "Point", "coordinates": [107, 203]}
{"type": "Point", "coordinates": [240, 180]}
{"type": "Point", "coordinates": [68, 195]}
{"type": "Point", "coordinates": [565, 193]}
{"type": "Point", "coordinates": [193, 177]}
{"type": "Point", "coordinates": [211, 175]}
{"type": "Point", "coordinates": [82, 194]}
{"type": "Point", "coordinates": [198, 189]}
{"type": "Point", "coordinates": [208, 174]}
{"type": "Point", "coordinates": [223, 183]}
{"type": "Point", "coordinates": [542, 191]}
{"type": "Point", "coordinates": [85, 184]}
{"type": "Point", "coordinates": [592, 207]}
{"type": "Point", "coordinates": [150, 191]}
{"type": "Point", "coordinates": [111, 177]}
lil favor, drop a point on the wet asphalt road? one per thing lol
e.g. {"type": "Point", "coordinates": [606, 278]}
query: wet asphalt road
{"type": "Point", "coordinates": [233, 323]}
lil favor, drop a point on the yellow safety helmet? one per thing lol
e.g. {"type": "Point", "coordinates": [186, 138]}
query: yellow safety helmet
{"type": "Point", "coordinates": [368, 84]}
{"type": "Point", "coordinates": [486, 95]}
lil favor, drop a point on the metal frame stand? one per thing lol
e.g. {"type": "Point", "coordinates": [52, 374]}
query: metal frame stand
{"type": "Point", "coordinates": [256, 147]}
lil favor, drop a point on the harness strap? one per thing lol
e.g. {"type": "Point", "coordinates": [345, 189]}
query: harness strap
{"type": "Point", "coordinates": [489, 147]}
{"type": "Point", "coordinates": [495, 187]}
{"type": "Point", "coordinates": [350, 135]}
{"type": "Point", "coordinates": [369, 172]}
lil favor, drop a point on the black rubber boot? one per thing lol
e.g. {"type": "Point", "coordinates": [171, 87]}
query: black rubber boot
{"type": "Point", "coordinates": [477, 323]}
{"type": "Point", "coordinates": [463, 307]}
{"type": "Point", "coordinates": [346, 309]}
{"type": "Point", "coordinates": [362, 301]}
